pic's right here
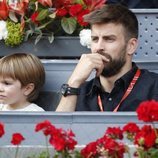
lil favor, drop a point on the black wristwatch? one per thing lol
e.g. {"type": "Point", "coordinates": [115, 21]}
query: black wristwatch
{"type": "Point", "coordinates": [67, 90]}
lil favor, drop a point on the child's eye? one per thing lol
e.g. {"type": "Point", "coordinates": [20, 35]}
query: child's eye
{"type": "Point", "coordinates": [7, 83]}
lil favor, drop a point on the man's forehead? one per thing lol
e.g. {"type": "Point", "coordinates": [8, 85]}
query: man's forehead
{"type": "Point", "coordinates": [110, 29]}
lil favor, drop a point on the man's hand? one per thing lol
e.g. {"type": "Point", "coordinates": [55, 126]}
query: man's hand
{"type": "Point", "coordinates": [85, 66]}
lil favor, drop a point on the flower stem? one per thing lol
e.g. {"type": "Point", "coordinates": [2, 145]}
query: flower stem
{"type": "Point", "coordinates": [47, 150]}
{"type": "Point", "coordinates": [155, 130]}
{"type": "Point", "coordinates": [129, 155]}
{"type": "Point", "coordinates": [44, 25]}
{"type": "Point", "coordinates": [16, 152]}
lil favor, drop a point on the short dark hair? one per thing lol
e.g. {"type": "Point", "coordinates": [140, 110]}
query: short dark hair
{"type": "Point", "coordinates": [118, 14]}
{"type": "Point", "coordinates": [25, 67]}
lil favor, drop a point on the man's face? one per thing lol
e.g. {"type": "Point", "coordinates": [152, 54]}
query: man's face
{"type": "Point", "coordinates": [109, 41]}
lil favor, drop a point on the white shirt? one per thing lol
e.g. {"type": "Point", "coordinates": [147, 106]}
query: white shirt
{"type": "Point", "coordinates": [31, 107]}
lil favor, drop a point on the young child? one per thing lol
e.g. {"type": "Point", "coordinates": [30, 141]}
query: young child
{"type": "Point", "coordinates": [21, 78]}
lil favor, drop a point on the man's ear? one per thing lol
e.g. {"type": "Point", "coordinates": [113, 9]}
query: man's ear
{"type": "Point", "coordinates": [29, 88]}
{"type": "Point", "coordinates": [132, 46]}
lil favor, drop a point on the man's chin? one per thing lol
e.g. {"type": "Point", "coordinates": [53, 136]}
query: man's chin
{"type": "Point", "coordinates": [110, 72]}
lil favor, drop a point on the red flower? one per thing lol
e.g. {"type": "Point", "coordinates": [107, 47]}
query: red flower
{"type": "Point", "coordinates": [104, 145]}
{"type": "Point", "coordinates": [146, 137]}
{"type": "Point", "coordinates": [61, 3]}
{"type": "Point", "coordinates": [1, 129]}
{"type": "Point", "coordinates": [131, 128]}
{"type": "Point", "coordinates": [17, 138]}
{"type": "Point", "coordinates": [46, 2]}
{"type": "Point", "coordinates": [62, 140]}
{"type": "Point", "coordinates": [19, 7]}
{"type": "Point", "coordinates": [34, 18]}
{"type": "Point", "coordinates": [94, 4]}
{"type": "Point", "coordinates": [42, 125]}
{"type": "Point", "coordinates": [90, 150]}
{"type": "Point", "coordinates": [70, 143]}
{"type": "Point", "coordinates": [114, 132]}
{"type": "Point", "coordinates": [114, 148]}
{"type": "Point", "coordinates": [70, 133]}
{"type": "Point", "coordinates": [61, 12]}
{"type": "Point", "coordinates": [58, 142]}
{"type": "Point", "coordinates": [46, 127]}
{"type": "Point", "coordinates": [4, 12]}
{"type": "Point", "coordinates": [148, 111]}
{"type": "Point", "coordinates": [74, 10]}
{"type": "Point", "coordinates": [80, 17]}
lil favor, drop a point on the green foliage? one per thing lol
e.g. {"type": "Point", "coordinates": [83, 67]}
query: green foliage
{"type": "Point", "coordinates": [80, 2]}
{"type": "Point", "coordinates": [15, 36]}
{"type": "Point", "coordinates": [43, 154]}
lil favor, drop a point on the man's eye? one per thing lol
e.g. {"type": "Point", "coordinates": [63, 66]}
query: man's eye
{"type": "Point", "coordinates": [94, 39]}
{"type": "Point", "coordinates": [109, 39]}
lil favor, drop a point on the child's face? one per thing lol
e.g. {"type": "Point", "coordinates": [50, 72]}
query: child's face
{"type": "Point", "coordinates": [11, 92]}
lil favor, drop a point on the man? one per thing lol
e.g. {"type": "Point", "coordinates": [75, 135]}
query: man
{"type": "Point", "coordinates": [119, 84]}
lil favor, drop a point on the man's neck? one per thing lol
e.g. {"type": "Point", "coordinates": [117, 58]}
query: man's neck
{"type": "Point", "coordinates": [108, 82]}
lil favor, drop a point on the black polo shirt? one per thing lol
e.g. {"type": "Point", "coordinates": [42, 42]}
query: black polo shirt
{"type": "Point", "coordinates": [146, 88]}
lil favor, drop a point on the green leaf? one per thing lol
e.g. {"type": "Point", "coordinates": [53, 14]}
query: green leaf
{"type": "Point", "coordinates": [44, 25]}
{"type": "Point", "coordinates": [68, 24]}
{"type": "Point", "coordinates": [77, 154]}
{"type": "Point", "coordinates": [51, 37]}
{"type": "Point", "coordinates": [79, 2]}
{"type": "Point", "coordinates": [43, 154]}
{"type": "Point", "coordinates": [38, 38]}
{"type": "Point", "coordinates": [32, 27]}
{"type": "Point", "coordinates": [32, 156]}
{"type": "Point", "coordinates": [42, 14]}
{"type": "Point", "coordinates": [52, 16]}
{"type": "Point", "coordinates": [38, 31]}
{"type": "Point", "coordinates": [13, 17]}
{"type": "Point", "coordinates": [27, 34]}
{"type": "Point", "coordinates": [153, 153]}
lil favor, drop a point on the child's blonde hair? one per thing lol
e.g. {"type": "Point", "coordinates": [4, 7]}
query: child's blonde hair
{"type": "Point", "coordinates": [27, 68]}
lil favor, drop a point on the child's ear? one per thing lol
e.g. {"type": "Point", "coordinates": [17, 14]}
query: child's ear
{"type": "Point", "coordinates": [29, 88]}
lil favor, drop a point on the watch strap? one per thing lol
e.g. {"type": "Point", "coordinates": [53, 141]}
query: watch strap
{"type": "Point", "coordinates": [67, 90]}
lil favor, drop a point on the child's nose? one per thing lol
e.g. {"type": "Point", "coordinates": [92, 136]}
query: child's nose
{"type": "Point", "coordinates": [1, 87]}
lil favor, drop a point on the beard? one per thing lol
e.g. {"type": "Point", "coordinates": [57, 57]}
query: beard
{"type": "Point", "coordinates": [115, 65]}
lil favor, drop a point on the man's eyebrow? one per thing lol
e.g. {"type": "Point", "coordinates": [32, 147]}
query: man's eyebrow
{"type": "Point", "coordinates": [105, 36]}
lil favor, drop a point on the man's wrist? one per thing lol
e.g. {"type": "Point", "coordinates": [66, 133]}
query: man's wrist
{"type": "Point", "coordinates": [74, 82]}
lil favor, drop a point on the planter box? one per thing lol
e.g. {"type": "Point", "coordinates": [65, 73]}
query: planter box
{"type": "Point", "coordinates": [62, 47]}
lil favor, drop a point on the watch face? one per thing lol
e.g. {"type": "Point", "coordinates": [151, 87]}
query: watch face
{"type": "Point", "coordinates": [64, 89]}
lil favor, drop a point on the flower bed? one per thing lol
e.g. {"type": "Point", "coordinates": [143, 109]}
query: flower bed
{"type": "Point", "coordinates": [113, 144]}
{"type": "Point", "coordinates": [22, 19]}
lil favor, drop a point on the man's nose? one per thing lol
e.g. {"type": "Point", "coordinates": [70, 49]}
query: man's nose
{"type": "Point", "coordinates": [100, 46]}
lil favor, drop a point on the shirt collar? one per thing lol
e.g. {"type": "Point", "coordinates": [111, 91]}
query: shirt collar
{"type": "Point", "coordinates": [126, 79]}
